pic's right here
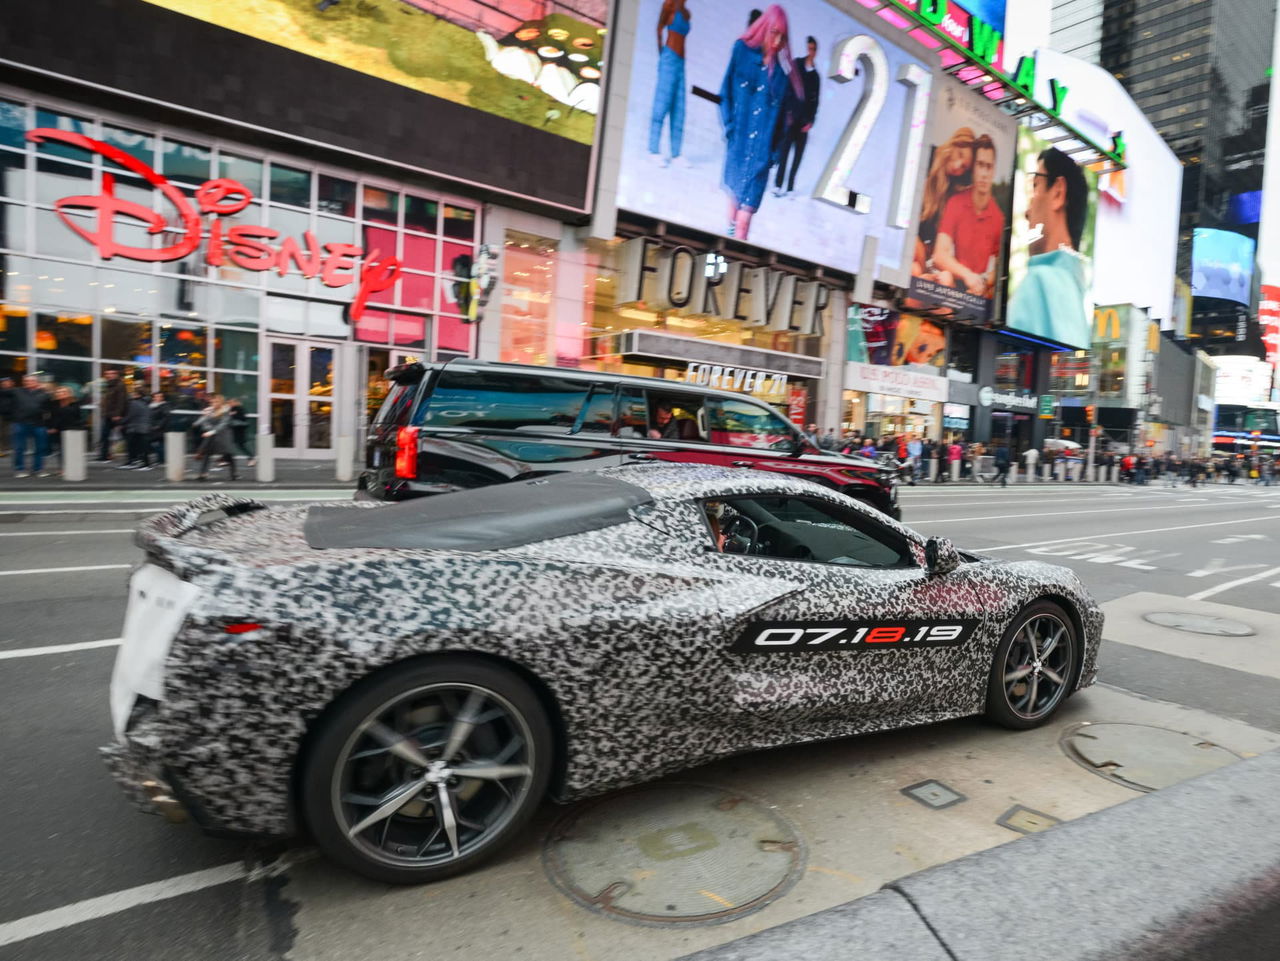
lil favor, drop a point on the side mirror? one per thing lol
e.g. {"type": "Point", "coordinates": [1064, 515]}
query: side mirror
{"type": "Point", "coordinates": [940, 556]}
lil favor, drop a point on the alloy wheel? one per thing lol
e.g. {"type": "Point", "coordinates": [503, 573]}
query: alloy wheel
{"type": "Point", "coordinates": [1037, 666]}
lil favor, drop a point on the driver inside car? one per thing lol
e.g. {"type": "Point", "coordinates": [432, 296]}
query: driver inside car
{"type": "Point", "coordinates": [729, 536]}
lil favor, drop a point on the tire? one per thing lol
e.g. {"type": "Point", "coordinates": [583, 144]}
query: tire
{"type": "Point", "coordinates": [367, 757]}
{"type": "Point", "coordinates": [1016, 695]}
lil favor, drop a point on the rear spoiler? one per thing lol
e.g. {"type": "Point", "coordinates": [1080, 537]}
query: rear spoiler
{"type": "Point", "coordinates": [192, 515]}
{"type": "Point", "coordinates": [407, 373]}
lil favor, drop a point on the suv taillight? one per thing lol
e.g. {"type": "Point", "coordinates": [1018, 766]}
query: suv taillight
{"type": "Point", "coordinates": [407, 452]}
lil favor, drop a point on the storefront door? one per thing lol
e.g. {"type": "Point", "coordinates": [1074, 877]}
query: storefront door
{"type": "Point", "coordinates": [301, 396]}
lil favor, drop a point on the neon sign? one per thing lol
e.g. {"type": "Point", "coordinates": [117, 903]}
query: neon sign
{"type": "Point", "coordinates": [249, 247]}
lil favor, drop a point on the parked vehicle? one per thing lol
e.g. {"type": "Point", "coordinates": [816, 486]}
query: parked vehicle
{"type": "Point", "coordinates": [407, 682]}
{"type": "Point", "coordinates": [467, 423]}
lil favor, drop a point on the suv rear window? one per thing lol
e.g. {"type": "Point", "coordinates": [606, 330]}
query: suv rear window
{"type": "Point", "coordinates": [395, 409]}
{"type": "Point", "coordinates": [503, 401]}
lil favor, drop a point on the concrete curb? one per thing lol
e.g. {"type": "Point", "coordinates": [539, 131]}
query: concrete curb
{"type": "Point", "coordinates": [1150, 877]}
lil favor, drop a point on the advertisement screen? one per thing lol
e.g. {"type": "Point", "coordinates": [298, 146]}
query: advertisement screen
{"type": "Point", "coordinates": [1222, 265]}
{"type": "Point", "coordinates": [919, 341]}
{"type": "Point", "coordinates": [500, 94]}
{"type": "Point", "coordinates": [965, 204]}
{"type": "Point", "coordinates": [1051, 249]}
{"type": "Point", "coordinates": [799, 131]}
{"type": "Point", "coordinates": [871, 334]}
{"type": "Point", "coordinates": [1269, 319]}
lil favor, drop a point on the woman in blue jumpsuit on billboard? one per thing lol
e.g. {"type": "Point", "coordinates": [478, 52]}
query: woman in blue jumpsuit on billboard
{"type": "Point", "coordinates": [756, 85]}
{"type": "Point", "coordinates": [668, 97]}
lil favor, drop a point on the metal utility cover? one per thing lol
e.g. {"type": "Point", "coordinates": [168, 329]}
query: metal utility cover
{"type": "Point", "coordinates": [1142, 757]}
{"type": "Point", "coordinates": [934, 794]}
{"type": "Point", "coordinates": [1024, 820]}
{"type": "Point", "coordinates": [674, 855]}
{"type": "Point", "coordinates": [1200, 624]}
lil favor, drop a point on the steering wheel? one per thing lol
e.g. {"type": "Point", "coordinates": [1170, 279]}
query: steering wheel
{"type": "Point", "coordinates": [781, 543]}
{"type": "Point", "coordinates": [741, 535]}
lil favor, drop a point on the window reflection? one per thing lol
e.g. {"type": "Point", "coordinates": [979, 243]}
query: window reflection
{"type": "Point", "coordinates": [67, 334]}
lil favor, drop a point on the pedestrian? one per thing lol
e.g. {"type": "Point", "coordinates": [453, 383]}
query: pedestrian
{"type": "Point", "coordinates": [158, 423]}
{"type": "Point", "coordinates": [64, 415]}
{"type": "Point", "coordinates": [915, 450]}
{"type": "Point", "coordinates": [955, 455]}
{"type": "Point", "coordinates": [827, 441]}
{"type": "Point", "coordinates": [240, 424]}
{"type": "Point", "coordinates": [6, 415]}
{"type": "Point", "coordinates": [1002, 465]}
{"type": "Point", "coordinates": [30, 419]}
{"type": "Point", "coordinates": [112, 404]}
{"type": "Point", "coordinates": [1031, 457]}
{"type": "Point", "coordinates": [136, 427]}
{"type": "Point", "coordinates": [215, 437]}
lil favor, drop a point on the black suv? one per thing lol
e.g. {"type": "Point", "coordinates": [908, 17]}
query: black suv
{"type": "Point", "coordinates": [467, 423]}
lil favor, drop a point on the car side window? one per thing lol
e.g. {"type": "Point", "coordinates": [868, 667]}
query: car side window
{"type": "Point", "coordinates": [633, 413]}
{"type": "Point", "coordinates": [804, 529]}
{"type": "Point", "coordinates": [597, 414]}
{"type": "Point", "coordinates": [501, 400]}
{"type": "Point", "coordinates": [740, 423]}
{"type": "Point", "coordinates": [676, 416]}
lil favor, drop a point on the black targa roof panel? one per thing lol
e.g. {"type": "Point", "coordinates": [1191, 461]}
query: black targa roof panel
{"type": "Point", "coordinates": [485, 519]}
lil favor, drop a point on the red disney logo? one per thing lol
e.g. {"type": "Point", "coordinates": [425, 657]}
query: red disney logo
{"type": "Point", "coordinates": [246, 246]}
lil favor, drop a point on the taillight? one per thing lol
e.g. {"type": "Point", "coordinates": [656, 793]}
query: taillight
{"type": "Point", "coordinates": [407, 452]}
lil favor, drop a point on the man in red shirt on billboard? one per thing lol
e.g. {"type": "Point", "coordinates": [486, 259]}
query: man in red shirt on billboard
{"type": "Point", "coordinates": [971, 228]}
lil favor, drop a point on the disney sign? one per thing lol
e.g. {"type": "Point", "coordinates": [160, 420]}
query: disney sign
{"type": "Point", "coordinates": [247, 246]}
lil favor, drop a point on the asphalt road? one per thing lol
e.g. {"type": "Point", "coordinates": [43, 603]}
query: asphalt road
{"type": "Point", "coordinates": [82, 875]}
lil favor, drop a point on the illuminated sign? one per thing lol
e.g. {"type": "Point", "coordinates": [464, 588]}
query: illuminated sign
{"type": "Point", "coordinates": [681, 280]}
{"type": "Point", "coordinates": [740, 379]}
{"type": "Point", "coordinates": [894, 381]}
{"type": "Point", "coordinates": [247, 246]}
{"type": "Point", "coordinates": [1222, 265]}
{"type": "Point", "coordinates": [807, 150]}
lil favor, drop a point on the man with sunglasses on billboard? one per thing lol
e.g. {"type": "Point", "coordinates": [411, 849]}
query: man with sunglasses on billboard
{"type": "Point", "coordinates": [1050, 300]}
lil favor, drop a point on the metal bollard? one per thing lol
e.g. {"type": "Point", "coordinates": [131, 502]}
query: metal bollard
{"type": "Point", "coordinates": [344, 463]}
{"type": "Point", "coordinates": [175, 455]}
{"type": "Point", "coordinates": [1013, 473]}
{"type": "Point", "coordinates": [75, 466]}
{"type": "Point", "coordinates": [955, 470]}
{"type": "Point", "coordinates": [933, 470]}
{"type": "Point", "coordinates": [266, 444]}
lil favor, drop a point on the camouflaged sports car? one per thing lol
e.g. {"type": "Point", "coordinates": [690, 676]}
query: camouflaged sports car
{"type": "Point", "coordinates": [408, 681]}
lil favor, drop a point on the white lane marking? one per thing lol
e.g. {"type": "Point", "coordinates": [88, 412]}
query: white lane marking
{"type": "Point", "coordinates": [58, 648]}
{"type": "Point", "coordinates": [1150, 530]}
{"type": "Point", "coordinates": [1131, 509]}
{"type": "Point", "coordinates": [1218, 565]}
{"type": "Point", "coordinates": [113, 530]}
{"type": "Point", "coordinates": [1237, 538]}
{"type": "Point", "coordinates": [1219, 588]}
{"type": "Point", "coordinates": [67, 570]}
{"type": "Point", "coordinates": [79, 912]}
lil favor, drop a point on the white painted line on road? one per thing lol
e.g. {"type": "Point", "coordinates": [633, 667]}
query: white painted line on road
{"type": "Point", "coordinates": [67, 570]}
{"type": "Point", "coordinates": [81, 911]}
{"type": "Point", "coordinates": [1219, 588]}
{"type": "Point", "coordinates": [1131, 509]}
{"type": "Point", "coordinates": [1150, 530]}
{"type": "Point", "coordinates": [112, 530]}
{"type": "Point", "coordinates": [58, 649]}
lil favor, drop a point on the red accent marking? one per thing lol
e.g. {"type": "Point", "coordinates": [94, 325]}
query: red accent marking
{"type": "Point", "coordinates": [407, 452]}
{"type": "Point", "coordinates": [243, 628]}
{"type": "Point", "coordinates": [896, 632]}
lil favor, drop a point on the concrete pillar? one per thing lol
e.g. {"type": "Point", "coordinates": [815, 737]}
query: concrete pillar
{"type": "Point", "coordinates": [266, 458]}
{"type": "Point", "coordinates": [175, 455]}
{"type": "Point", "coordinates": [1075, 472]}
{"type": "Point", "coordinates": [74, 451]}
{"type": "Point", "coordinates": [1013, 473]}
{"type": "Point", "coordinates": [933, 470]}
{"type": "Point", "coordinates": [1057, 471]}
{"type": "Point", "coordinates": [955, 470]}
{"type": "Point", "coordinates": [1112, 473]}
{"type": "Point", "coordinates": [344, 465]}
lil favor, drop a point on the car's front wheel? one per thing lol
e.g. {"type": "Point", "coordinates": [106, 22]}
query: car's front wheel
{"type": "Point", "coordinates": [1034, 667]}
{"type": "Point", "coordinates": [426, 769]}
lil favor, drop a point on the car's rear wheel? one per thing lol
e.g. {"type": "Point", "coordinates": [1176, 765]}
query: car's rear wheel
{"type": "Point", "coordinates": [1034, 667]}
{"type": "Point", "coordinates": [426, 770]}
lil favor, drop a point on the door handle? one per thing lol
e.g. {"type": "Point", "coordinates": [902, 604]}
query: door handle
{"type": "Point", "coordinates": [742, 463]}
{"type": "Point", "coordinates": [641, 456]}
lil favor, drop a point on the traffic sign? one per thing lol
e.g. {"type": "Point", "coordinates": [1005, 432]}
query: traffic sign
{"type": "Point", "coordinates": [1046, 407]}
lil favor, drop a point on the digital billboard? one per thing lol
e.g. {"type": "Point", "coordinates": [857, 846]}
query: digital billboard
{"type": "Point", "coordinates": [1136, 239]}
{"type": "Point", "coordinates": [500, 95]}
{"type": "Point", "coordinates": [799, 131]}
{"type": "Point", "coordinates": [1222, 265]}
{"type": "Point", "coordinates": [965, 204]}
{"type": "Point", "coordinates": [1051, 245]}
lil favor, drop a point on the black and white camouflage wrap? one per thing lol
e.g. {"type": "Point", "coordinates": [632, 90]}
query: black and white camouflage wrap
{"type": "Point", "coordinates": [626, 629]}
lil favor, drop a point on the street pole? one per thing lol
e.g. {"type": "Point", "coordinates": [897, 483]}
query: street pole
{"type": "Point", "coordinates": [1094, 374]}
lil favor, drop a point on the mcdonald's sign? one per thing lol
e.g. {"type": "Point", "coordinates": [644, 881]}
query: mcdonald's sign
{"type": "Point", "coordinates": [1109, 325]}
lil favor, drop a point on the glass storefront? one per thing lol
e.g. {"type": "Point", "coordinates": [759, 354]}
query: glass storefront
{"type": "Point", "coordinates": [251, 295]}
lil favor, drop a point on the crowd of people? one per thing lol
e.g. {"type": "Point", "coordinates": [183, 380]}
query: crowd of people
{"type": "Point", "coordinates": [1172, 470]}
{"type": "Point", "coordinates": [36, 414]}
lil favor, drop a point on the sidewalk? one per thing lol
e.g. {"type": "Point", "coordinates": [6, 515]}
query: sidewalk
{"type": "Point", "coordinates": [309, 474]}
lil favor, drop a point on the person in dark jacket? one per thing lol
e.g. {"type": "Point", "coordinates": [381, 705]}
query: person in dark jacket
{"type": "Point", "coordinates": [240, 429]}
{"type": "Point", "coordinates": [6, 414]}
{"type": "Point", "coordinates": [30, 416]}
{"type": "Point", "coordinates": [112, 405]}
{"type": "Point", "coordinates": [159, 411]}
{"type": "Point", "coordinates": [1002, 465]}
{"type": "Point", "coordinates": [136, 427]}
{"type": "Point", "coordinates": [64, 415]}
{"type": "Point", "coordinates": [796, 119]}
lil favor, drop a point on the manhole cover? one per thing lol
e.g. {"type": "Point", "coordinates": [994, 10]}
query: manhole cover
{"type": "Point", "coordinates": [1200, 624]}
{"type": "Point", "coordinates": [674, 854]}
{"type": "Point", "coordinates": [1142, 757]}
